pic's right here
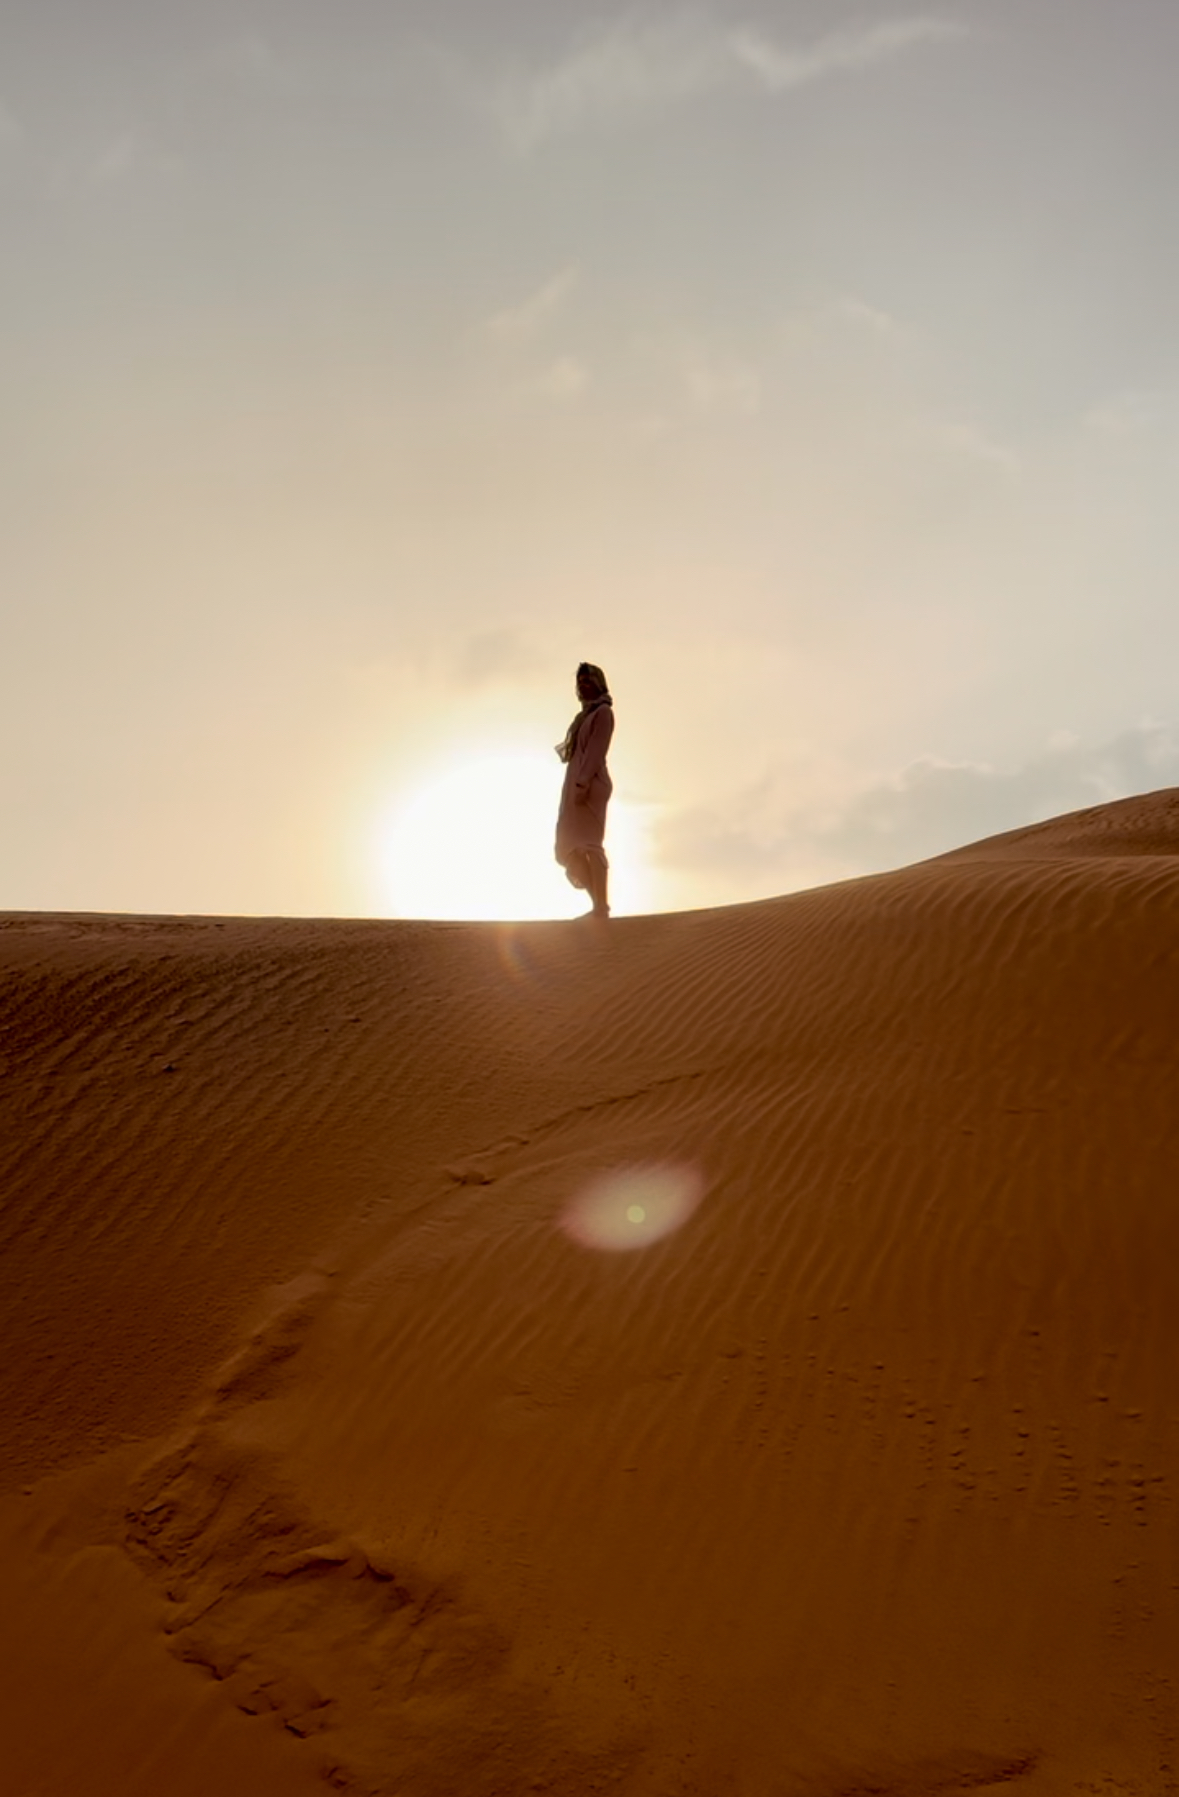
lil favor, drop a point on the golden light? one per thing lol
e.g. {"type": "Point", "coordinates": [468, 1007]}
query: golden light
{"type": "Point", "coordinates": [475, 841]}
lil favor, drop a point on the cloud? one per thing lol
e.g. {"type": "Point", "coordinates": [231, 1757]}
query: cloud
{"type": "Point", "coordinates": [959, 439]}
{"type": "Point", "coordinates": [127, 157]}
{"type": "Point", "coordinates": [857, 47]}
{"type": "Point", "coordinates": [718, 381]}
{"type": "Point", "coordinates": [634, 66]}
{"type": "Point", "coordinates": [613, 72]}
{"type": "Point", "coordinates": [778, 841]}
{"type": "Point", "coordinates": [11, 130]}
{"type": "Point", "coordinates": [564, 380]}
{"type": "Point", "coordinates": [519, 323]}
{"type": "Point", "coordinates": [1123, 414]}
{"type": "Point", "coordinates": [935, 806]}
{"type": "Point", "coordinates": [708, 375]}
{"type": "Point", "coordinates": [515, 329]}
{"type": "Point", "coordinates": [256, 62]}
{"type": "Point", "coordinates": [858, 312]}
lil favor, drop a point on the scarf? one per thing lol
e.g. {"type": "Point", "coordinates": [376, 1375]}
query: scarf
{"type": "Point", "coordinates": [565, 749]}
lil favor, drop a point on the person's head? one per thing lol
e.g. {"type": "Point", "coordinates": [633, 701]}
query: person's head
{"type": "Point", "coordinates": [591, 682]}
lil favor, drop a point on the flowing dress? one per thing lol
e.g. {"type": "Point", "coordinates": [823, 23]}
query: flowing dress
{"type": "Point", "coordinates": [581, 820]}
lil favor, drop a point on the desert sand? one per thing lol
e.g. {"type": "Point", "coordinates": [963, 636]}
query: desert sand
{"type": "Point", "coordinates": [733, 1353]}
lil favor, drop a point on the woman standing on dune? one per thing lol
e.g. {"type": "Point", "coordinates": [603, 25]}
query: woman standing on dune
{"type": "Point", "coordinates": [581, 821]}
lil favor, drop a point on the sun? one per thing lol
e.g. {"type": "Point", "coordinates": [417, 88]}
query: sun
{"type": "Point", "coordinates": [475, 841]}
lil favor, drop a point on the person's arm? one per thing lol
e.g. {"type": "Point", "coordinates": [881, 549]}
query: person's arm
{"type": "Point", "coordinates": [592, 743]}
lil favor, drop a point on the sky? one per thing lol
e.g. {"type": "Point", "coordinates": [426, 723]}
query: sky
{"type": "Point", "coordinates": [364, 366]}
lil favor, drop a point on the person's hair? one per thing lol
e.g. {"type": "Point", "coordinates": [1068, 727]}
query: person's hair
{"type": "Point", "coordinates": [589, 670]}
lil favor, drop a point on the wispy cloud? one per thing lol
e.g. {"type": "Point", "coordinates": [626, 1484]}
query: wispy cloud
{"type": "Point", "coordinates": [521, 322]}
{"type": "Point", "coordinates": [956, 438]}
{"type": "Point", "coordinates": [613, 72]}
{"type": "Point", "coordinates": [634, 66]}
{"type": "Point", "coordinates": [564, 380]}
{"type": "Point", "coordinates": [859, 313]}
{"type": "Point", "coordinates": [1123, 414]}
{"type": "Point", "coordinates": [780, 67]}
{"type": "Point", "coordinates": [711, 377]}
{"type": "Point", "coordinates": [127, 157]}
{"type": "Point", "coordinates": [256, 62]}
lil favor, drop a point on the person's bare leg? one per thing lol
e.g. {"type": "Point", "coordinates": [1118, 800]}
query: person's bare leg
{"type": "Point", "coordinates": [597, 884]}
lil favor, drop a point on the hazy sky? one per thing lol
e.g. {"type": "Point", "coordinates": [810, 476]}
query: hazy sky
{"type": "Point", "coordinates": [812, 367]}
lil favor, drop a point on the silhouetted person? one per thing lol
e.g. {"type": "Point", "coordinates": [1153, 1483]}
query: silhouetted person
{"type": "Point", "coordinates": [581, 821]}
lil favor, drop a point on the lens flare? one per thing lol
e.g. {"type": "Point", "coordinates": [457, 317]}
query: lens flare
{"type": "Point", "coordinates": [632, 1207]}
{"type": "Point", "coordinates": [515, 955]}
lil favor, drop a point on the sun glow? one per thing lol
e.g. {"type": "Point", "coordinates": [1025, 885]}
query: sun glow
{"type": "Point", "coordinates": [475, 841]}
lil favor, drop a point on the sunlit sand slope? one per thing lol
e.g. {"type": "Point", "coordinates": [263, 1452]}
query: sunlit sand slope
{"type": "Point", "coordinates": [358, 1428]}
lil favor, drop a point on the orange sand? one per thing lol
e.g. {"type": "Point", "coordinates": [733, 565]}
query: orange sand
{"type": "Point", "coordinates": [330, 1454]}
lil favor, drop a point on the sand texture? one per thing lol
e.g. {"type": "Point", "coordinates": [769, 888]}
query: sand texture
{"type": "Point", "coordinates": [731, 1354]}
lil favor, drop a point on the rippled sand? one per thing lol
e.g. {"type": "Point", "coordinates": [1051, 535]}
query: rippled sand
{"type": "Point", "coordinates": [733, 1353]}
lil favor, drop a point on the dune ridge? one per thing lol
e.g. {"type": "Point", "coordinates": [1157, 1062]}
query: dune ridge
{"type": "Point", "coordinates": [333, 1454]}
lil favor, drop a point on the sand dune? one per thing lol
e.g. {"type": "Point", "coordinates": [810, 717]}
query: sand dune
{"type": "Point", "coordinates": [732, 1354]}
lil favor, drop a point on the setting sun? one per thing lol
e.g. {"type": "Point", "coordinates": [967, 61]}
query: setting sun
{"type": "Point", "coordinates": [475, 841]}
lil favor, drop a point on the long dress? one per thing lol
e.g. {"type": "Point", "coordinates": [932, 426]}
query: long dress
{"type": "Point", "coordinates": [581, 820]}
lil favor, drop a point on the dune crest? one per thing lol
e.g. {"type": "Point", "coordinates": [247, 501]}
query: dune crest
{"type": "Point", "coordinates": [340, 1447]}
{"type": "Point", "coordinates": [1147, 825]}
